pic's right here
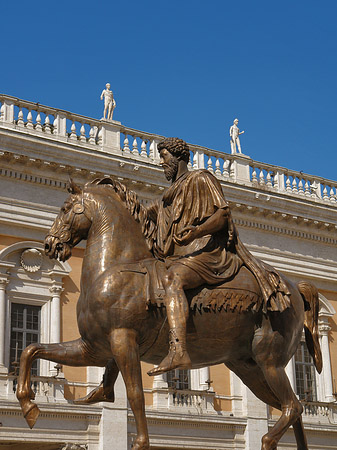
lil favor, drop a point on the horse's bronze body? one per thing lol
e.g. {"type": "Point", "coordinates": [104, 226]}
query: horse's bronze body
{"type": "Point", "coordinates": [118, 328]}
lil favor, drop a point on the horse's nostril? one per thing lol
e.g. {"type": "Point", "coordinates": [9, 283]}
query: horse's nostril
{"type": "Point", "coordinates": [46, 247]}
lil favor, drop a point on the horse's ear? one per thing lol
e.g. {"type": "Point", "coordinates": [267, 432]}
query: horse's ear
{"type": "Point", "coordinates": [73, 188]}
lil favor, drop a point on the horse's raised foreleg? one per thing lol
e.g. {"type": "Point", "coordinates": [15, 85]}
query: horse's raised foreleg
{"type": "Point", "coordinates": [73, 353]}
{"type": "Point", "coordinates": [126, 353]}
{"type": "Point", "coordinates": [105, 391]}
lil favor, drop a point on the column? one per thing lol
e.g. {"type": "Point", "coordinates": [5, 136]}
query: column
{"type": "Point", "coordinates": [55, 314]}
{"type": "Point", "coordinates": [324, 329]}
{"type": "Point", "coordinates": [55, 322]}
{"type": "Point", "coordinates": [3, 302]}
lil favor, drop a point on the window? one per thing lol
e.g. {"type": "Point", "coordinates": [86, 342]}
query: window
{"type": "Point", "coordinates": [305, 374]}
{"type": "Point", "coordinates": [25, 330]}
{"type": "Point", "coordinates": [178, 379]}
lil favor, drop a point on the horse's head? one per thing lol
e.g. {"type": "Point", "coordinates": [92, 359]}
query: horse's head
{"type": "Point", "coordinates": [70, 226]}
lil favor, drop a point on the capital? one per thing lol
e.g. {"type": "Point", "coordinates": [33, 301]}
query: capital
{"type": "Point", "coordinates": [3, 283]}
{"type": "Point", "coordinates": [56, 290]}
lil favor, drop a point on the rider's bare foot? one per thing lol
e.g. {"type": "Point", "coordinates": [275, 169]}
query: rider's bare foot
{"type": "Point", "coordinates": [95, 396]}
{"type": "Point", "coordinates": [176, 359]}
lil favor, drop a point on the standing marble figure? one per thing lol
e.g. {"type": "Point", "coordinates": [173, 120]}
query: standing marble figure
{"type": "Point", "coordinates": [109, 102]}
{"type": "Point", "coordinates": [234, 133]}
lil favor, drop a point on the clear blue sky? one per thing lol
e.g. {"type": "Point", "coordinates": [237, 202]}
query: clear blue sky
{"type": "Point", "coordinates": [187, 69]}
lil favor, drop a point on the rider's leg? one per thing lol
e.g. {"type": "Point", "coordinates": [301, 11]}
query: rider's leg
{"type": "Point", "coordinates": [178, 278]}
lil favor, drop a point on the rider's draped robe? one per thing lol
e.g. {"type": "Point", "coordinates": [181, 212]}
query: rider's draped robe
{"type": "Point", "coordinates": [191, 200]}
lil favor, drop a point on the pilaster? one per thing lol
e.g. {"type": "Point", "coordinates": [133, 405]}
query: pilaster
{"type": "Point", "coordinates": [240, 169]}
{"type": "Point", "coordinates": [110, 136]}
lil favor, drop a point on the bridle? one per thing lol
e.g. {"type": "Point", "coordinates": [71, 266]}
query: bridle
{"type": "Point", "coordinates": [63, 232]}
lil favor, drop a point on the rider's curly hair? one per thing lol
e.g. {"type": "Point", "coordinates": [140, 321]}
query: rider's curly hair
{"type": "Point", "coordinates": [177, 147]}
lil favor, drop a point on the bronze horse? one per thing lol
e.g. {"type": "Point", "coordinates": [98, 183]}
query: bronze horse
{"type": "Point", "coordinates": [118, 328]}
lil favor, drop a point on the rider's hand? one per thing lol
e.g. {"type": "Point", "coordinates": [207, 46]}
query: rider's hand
{"type": "Point", "coordinates": [187, 235]}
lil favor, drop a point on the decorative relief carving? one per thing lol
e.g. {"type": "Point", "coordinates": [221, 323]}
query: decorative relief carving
{"type": "Point", "coordinates": [31, 260]}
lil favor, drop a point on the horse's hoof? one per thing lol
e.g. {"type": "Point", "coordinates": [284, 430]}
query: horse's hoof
{"type": "Point", "coordinates": [141, 444]}
{"type": "Point", "coordinates": [31, 414]}
{"type": "Point", "coordinates": [95, 396]}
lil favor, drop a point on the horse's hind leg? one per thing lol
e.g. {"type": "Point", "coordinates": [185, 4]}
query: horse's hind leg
{"type": "Point", "coordinates": [105, 391]}
{"type": "Point", "coordinates": [73, 353]}
{"type": "Point", "coordinates": [125, 350]}
{"type": "Point", "coordinates": [291, 408]}
{"type": "Point", "coordinates": [254, 378]}
{"type": "Point", "coordinates": [299, 434]}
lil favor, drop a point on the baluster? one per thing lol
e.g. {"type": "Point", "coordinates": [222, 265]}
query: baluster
{"type": "Point", "coordinates": [46, 125]}
{"type": "Point", "coordinates": [276, 181]}
{"type": "Point", "coordinates": [100, 136]}
{"type": "Point", "coordinates": [151, 149]}
{"type": "Point", "coordinates": [30, 120]}
{"type": "Point", "coordinates": [55, 131]}
{"type": "Point", "coordinates": [262, 181]}
{"type": "Point", "coordinates": [307, 189]}
{"type": "Point", "coordinates": [288, 184]}
{"type": "Point", "coordinates": [135, 147]}
{"type": "Point", "coordinates": [126, 147]}
{"type": "Point", "coordinates": [325, 193]}
{"type": "Point", "coordinates": [20, 121]}
{"type": "Point", "coordinates": [332, 196]}
{"type": "Point", "coordinates": [269, 183]}
{"type": "Point", "coordinates": [254, 176]}
{"type": "Point", "coordinates": [73, 134]}
{"type": "Point", "coordinates": [38, 126]}
{"type": "Point", "coordinates": [92, 139]}
{"type": "Point", "coordinates": [143, 152]}
{"type": "Point", "coordinates": [294, 186]}
{"type": "Point", "coordinates": [210, 165]}
{"type": "Point", "coordinates": [83, 137]}
{"type": "Point", "coordinates": [195, 161]}
{"type": "Point", "coordinates": [217, 168]}
{"type": "Point", "coordinates": [300, 187]}
{"type": "Point", "coordinates": [226, 165]}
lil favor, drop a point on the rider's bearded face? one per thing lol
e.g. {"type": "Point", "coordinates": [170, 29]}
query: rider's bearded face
{"type": "Point", "coordinates": [169, 163]}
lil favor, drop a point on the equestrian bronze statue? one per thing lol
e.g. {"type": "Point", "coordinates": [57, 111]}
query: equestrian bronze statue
{"type": "Point", "coordinates": [173, 285]}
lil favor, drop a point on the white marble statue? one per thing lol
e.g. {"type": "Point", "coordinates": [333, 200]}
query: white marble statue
{"type": "Point", "coordinates": [234, 133]}
{"type": "Point", "coordinates": [109, 102]}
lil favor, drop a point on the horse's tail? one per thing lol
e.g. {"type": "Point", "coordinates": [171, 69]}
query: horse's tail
{"type": "Point", "coordinates": [311, 306]}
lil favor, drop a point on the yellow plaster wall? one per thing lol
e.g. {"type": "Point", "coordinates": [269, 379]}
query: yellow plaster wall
{"type": "Point", "coordinates": [220, 377]}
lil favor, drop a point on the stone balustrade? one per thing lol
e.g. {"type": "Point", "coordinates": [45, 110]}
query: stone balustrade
{"type": "Point", "coordinates": [45, 388]}
{"type": "Point", "coordinates": [321, 411]}
{"type": "Point", "coordinates": [199, 401]}
{"type": "Point", "coordinates": [112, 137]}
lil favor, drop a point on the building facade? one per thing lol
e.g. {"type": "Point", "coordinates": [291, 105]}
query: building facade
{"type": "Point", "coordinates": [286, 218]}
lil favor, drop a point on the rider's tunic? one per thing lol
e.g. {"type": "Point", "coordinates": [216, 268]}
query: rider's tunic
{"type": "Point", "coordinates": [191, 200]}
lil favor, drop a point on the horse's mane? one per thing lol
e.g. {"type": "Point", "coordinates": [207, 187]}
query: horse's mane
{"type": "Point", "coordinates": [132, 204]}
